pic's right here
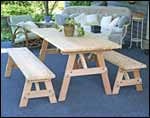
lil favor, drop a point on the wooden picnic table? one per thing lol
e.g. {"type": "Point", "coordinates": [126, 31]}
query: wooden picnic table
{"type": "Point", "coordinates": [73, 46]}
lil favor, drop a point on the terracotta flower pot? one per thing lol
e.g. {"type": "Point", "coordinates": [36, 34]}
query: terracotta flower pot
{"type": "Point", "coordinates": [69, 30]}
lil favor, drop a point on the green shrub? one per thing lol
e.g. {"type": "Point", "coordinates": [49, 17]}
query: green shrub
{"type": "Point", "coordinates": [5, 36]}
{"type": "Point", "coordinates": [38, 17]}
{"type": "Point", "coordinates": [33, 8]}
{"type": "Point", "coordinates": [4, 23]}
{"type": "Point", "coordinates": [24, 3]}
{"type": "Point", "coordinates": [9, 9]}
{"type": "Point", "coordinates": [80, 3]}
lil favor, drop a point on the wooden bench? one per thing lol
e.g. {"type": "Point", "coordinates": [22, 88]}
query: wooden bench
{"type": "Point", "coordinates": [34, 71]}
{"type": "Point", "coordinates": [125, 64]}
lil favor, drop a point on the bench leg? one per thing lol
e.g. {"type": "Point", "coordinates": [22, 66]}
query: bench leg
{"type": "Point", "coordinates": [126, 76]}
{"type": "Point", "coordinates": [76, 64]}
{"type": "Point", "coordinates": [49, 87]}
{"type": "Point", "coordinates": [9, 67]}
{"type": "Point", "coordinates": [80, 62]}
{"type": "Point", "coordinates": [119, 77]}
{"type": "Point", "coordinates": [127, 82]}
{"type": "Point", "coordinates": [105, 79]}
{"type": "Point", "coordinates": [66, 80]}
{"type": "Point", "coordinates": [43, 50]}
{"type": "Point", "coordinates": [37, 86]}
{"type": "Point", "coordinates": [137, 76]}
{"type": "Point", "coordinates": [26, 91]}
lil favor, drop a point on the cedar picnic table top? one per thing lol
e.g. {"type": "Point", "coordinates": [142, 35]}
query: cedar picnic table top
{"type": "Point", "coordinates": [87, 43]}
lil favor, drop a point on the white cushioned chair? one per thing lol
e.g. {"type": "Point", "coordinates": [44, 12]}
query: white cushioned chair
{"type": "Point", "coordinates": [116, 34]}
{"type": "Point", "coordinates": [21, 36]}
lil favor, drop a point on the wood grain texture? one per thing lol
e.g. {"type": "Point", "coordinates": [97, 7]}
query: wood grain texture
{"type": "Point", "coordinates": [138, 77]}
{"type": "Point", "coordinates": [105, 78]}
{"type": "Point", "coordinates": [43, 50]}
{"type": "Point", "coordinates": [119, 77]}
{"type": "Point", "coordinates": [89, 42]}
{"type": "Point", "coordinates": [9, 67]}
{"type": "Point", "coordinates": [49, 87]}
{"type": "Point", "coordinates": [26, 90]}
{"type": "Point", "coordinates": [29, 64]}
{"type": "Point", "coordinates": [123, 61]}
{"type": "Point", "coordinates": [67, 77]}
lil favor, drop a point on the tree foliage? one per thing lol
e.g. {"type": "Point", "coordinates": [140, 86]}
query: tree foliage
{"type": "Point", "coordinates": [79, 3]}
{"type": "Point", "coordinates": [22, 3]}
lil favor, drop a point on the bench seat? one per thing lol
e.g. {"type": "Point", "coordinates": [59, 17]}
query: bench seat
{"type": "Point", "coordinates": [123, 61]}
{"type": "Point", "coordinates": [29, 64]}
{"type": "Point", "coordinates": [125, 64]}
{"type": "Point", "coordinates": [34, 71]}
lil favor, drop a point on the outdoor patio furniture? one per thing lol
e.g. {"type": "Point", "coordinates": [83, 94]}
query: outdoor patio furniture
{"type": "Point", "coordinates": [74, 46]}
{"type": "Point", "coordinates": [116, 35]}
{"type": "Point", "coordinates": [125, 64]}
{"type": "Point", "coordinates": [137, 18]}
{"type": "Point", "coordinates": [21, 36]}
{"type": "Point", "coordinates": [34, 71]}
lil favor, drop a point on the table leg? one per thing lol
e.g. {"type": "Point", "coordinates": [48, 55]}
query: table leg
{"type": "Point", "coordinates": [43, 50]}
{"type": "Point", "coordinates": [101, 63]}
{"type": "Point", "coordinates": [71, 71]}
{"type": "Point", "coordinates": [9, 67]}
{"type": "Point", "coordinates": [67, 77]}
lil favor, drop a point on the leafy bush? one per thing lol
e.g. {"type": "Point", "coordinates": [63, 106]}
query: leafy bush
{"type": "Point", "coordinates": [38, 17]}
{"type": "Point", "coordinates": [33, 8]}
{"type": "Point", "coordinates": [5, 36]}
{"type": "Point", "coordinates": [9, 9]}
{"type": "Point", "coordinates": [24, 3]}
{"type": "Point", "coordinates": [80, 3]}
{"type": "Point", "coordinates": [4, 23]}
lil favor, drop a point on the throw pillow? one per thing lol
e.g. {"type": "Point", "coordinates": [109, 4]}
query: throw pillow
{"type": "Point", "coordinates": [74, 15]}
{"type": "Point", "coordinates": [80, 19]}
{"type": "Point", "coordinates": [92, 19]}
{"type": "Point", "coordinates": [19, 29]}
{"type": "Point", "coordinates": [116, 29]}
{"type": "Point", "coordinates": [114, 22]}
{"type": "Point", "coordinates": [122, 21]}
{"type": "Point", "coordinates": [20, 23]}
{"type": "Point", "coordinates": [100, 17]}
{"type": "Point", "coordinates": [29, 25]}
{"type": "Point", "coordinates": [106, 20]}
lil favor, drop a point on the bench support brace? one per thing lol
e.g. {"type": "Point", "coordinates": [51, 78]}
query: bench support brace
{"type": "Point", "coordinates": [28, 93]}
{"type": "Point", "coordinates": [119, 82]}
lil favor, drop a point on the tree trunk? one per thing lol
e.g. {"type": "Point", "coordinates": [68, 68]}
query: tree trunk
{"type": "Point", "coordinates": [53, 6]}
{"type": "Point", "coordinates": [46, 7]}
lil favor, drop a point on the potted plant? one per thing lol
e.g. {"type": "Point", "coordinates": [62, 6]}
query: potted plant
{"type": "Point", "coordinates": [80, 30]}
{"type": "Point", "coordinates": [69, 27]}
